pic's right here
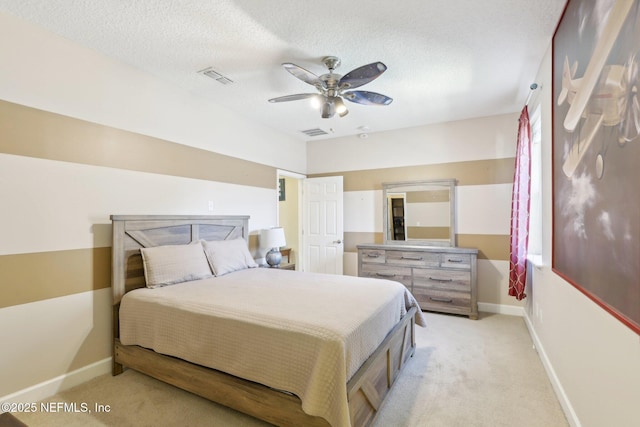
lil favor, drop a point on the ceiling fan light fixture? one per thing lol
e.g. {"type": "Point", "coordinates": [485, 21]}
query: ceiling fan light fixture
{"type": "Point", "coordinates": [328, 109]}
{"type": "Point", "coordinates": [340, 108]}
{"type": "Point", "coordinates": [316, 102]}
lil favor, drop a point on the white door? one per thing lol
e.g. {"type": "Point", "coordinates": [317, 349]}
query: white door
{"type": "Point", "coordinates": [322, 227]}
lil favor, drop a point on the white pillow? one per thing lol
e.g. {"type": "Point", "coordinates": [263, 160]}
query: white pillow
{"type": "Point", "coordinates": [170, 264]}
{"type": "Point", "coordinates": [226, 256]}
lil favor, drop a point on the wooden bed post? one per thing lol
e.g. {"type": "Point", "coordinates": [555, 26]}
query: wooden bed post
{"type": "Point", "coordinates": [116, 368]}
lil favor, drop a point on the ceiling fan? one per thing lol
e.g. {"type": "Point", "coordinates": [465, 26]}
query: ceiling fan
{"type": "Point", "coordinates": [333, 88]}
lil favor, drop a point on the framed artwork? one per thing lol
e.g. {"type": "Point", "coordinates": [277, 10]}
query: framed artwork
{"type": "Point", "coordinates": [281, 190]}
{"type": "Point", "coordinates": [596, 153]}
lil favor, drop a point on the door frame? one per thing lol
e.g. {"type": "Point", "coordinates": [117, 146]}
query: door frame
{"type": "Point", "coordinates": [300, 177]}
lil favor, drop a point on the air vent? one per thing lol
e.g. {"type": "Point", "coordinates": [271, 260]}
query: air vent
{"type": "Point", "coordinates": [211, 73]}
{"type": "Point", "coordinates": [314, 132]}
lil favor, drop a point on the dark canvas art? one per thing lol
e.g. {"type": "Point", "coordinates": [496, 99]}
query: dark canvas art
{"type": "Point", "coordinates": [596, 153]}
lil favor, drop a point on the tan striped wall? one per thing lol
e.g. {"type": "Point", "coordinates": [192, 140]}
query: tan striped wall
{"type": "Point", "coordinates": [35, 133]}
{"type": "Point", "coordinates": [30, 132]}
{"type": "Point", "coordinates": [35, 276]}
{"type": "Point", "coordinates": [39, 276]}
{"type": "Point", "coordinates": [468, 173]}
{"type": "Point", "coordinates": [43, 275]}
{"type": "Point", "coordinates": [478, 172]}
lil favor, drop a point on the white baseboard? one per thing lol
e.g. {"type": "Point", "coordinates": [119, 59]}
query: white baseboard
{"type": "Point", "coordinates": [510, 310]}
{"type": "Point", "coordinates": [567, 408]}
{"type": "Point", "coordinates": [63, 382]}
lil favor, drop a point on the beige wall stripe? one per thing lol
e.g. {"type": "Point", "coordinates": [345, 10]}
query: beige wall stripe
{"type": "Point", "coordinates": [477, 172]}
{"type": "Point", "coordinates": [26, 131]}
{"type": "Point", "coordinates": [352, 239]}
{"type": "Point", "coordinates": [428, 196]}
{"type": "Point", "coordinates": [428, 232]}
{"type": "Point", "coordinates": [38, 276]}
{"type": "Point", "coordinates": [490, 246]}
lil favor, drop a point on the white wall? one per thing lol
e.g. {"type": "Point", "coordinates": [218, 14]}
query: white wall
{"type": "Point", "coordinates": [466, 140]}
{"type": "Point", "coordinates": [592, 359]}
{"type": "Point", "coordinates": [61, 205]}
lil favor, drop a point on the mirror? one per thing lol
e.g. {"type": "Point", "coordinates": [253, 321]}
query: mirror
{"type": "Point", "coordinates": [419, 212]}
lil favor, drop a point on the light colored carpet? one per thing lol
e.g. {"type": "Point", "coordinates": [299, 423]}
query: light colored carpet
{"type": "Point", "coordinates": [464, 373]}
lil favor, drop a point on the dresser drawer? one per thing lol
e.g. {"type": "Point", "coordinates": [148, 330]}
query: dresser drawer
{"type": "Point", "coordinates": [442, 300]}
{"type": "Point", "coordinates": [461, 261]}
{"type": "Point", "coordinates": [442, 279]}
{"type": "Point", "coordinates": [399, 274]}
{"type": "Point", "coordinates": [374, 256]}
{"type": "Point", "coordinates": [413, 259]}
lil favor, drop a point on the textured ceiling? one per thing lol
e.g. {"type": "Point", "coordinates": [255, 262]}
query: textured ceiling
{"type": "Point", "coordinates": [447, 59]}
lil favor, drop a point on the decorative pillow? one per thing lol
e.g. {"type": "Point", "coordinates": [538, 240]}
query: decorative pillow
{"type": "Point", "coordinates": [170, 264]}
{"type": "Point", "coordinates": [226, 256]}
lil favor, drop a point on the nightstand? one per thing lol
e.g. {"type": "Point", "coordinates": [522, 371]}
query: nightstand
{"type": "Point", "coordinates": [282, 266]}
{"type": "Point", "coordinates": [286, 252]}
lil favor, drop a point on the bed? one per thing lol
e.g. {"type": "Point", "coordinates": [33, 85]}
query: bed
{"type": "Point", "coordinates": [283, 360]}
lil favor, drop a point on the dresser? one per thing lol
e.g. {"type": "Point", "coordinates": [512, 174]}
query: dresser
{"type": "Point", "coordinates": [442, 279]}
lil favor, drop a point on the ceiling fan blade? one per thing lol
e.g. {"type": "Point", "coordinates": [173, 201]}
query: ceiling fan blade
{"type": "Point", "coordinates": [295, 97]}
{"type": "Point", "coordinates": [362, 75]}
{"type": "Point", "coordinates": [367, 98]}
{"type": "Point", "coordinates": [304, 75]}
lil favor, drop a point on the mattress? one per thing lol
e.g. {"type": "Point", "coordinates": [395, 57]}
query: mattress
{"type": "Point", "coordinates": [304, 333]}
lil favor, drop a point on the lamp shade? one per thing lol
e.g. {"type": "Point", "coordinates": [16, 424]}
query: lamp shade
{"type": "Point", "coordinates": [272, 238]}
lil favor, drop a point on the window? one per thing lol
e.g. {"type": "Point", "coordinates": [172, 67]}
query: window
{"type": "Point", "coordinates": [534, 249]}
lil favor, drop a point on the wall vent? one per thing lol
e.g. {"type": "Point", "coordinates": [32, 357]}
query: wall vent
{"type": "Point", "coordinates": [211, 73]}
{"type": "Point", "coordinates": [314, 132]}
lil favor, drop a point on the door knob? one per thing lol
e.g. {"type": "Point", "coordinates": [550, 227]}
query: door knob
{"type": "Point", "coordinates": [337, 241]}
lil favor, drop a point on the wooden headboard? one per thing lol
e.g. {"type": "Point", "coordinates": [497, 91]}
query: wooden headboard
{"type": "Point", "coordinates": [132, 232]}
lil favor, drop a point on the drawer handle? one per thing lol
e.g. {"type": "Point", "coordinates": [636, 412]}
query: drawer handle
{"type": "Point", "coordinates": [385, 274]}
{"type": "Point", "coordinates": [435, 279]}
{"type": "Point", "coordinates": [454, 260]}
{"type": "Point", "coordinates": [411, 258]}
{"type": "Point", "coordinates": [448, 300]}
{"type": "Point", "coordinates": [373, 255]}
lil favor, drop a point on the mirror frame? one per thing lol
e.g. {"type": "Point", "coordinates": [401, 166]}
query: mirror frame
{"type": "Point", "coordinates": [388, 187]}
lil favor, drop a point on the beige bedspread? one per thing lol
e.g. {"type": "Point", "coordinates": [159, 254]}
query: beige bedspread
{"type": "Point", "coordinates": [304, 333]}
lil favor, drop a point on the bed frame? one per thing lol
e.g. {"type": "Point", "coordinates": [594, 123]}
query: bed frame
{"type": "Point", "coordinates": [366, 390]}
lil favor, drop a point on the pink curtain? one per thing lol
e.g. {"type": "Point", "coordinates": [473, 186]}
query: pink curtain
{"type": "Point", "coordinates": [520, 210]}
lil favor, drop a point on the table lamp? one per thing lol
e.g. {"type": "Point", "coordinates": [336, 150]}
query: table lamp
{"type": "Point", "coordinates": [273, 238]}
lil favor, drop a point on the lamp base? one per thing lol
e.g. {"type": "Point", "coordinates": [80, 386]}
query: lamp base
{"type": "Point", "coordinates": [273, 258]}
